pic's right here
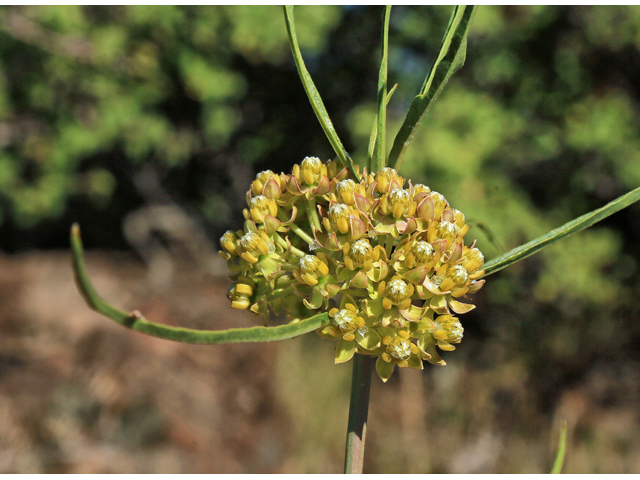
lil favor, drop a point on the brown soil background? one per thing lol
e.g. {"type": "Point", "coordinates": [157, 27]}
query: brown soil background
{"type": "Point", "coordinates": [80, 394]}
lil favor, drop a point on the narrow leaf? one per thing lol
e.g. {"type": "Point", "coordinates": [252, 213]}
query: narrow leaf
{"type": "Point", "coordinates": [450, 58]}
{"type": "Point", "coordinates": [574, 226]}
{"type": "Point", "coordinates": [314, 95]}
{"type": "Point", "coordinates": [562, 447]}
{"type": "Point", "coordinates": [374, 132]}
{"type": "Point", "coordinates": [136, 321]}
{"type": "Point", "coordinates": [379, 155]}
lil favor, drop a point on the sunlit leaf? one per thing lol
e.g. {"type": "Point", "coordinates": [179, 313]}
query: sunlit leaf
{"type": "Point", "coordinates": [374, 132]}
{"type": "Point", "coordinates": [450, 58]}
{"type": "Point", "coordinates": [574, 226]}
{"type": "Point", "coordinates": [314, 95]}
{"type": "Point", "coordinates": [562, 447]}
{"type": "Point", "coordinates": [379, 151]}
{"type": "Point", "coordinates": [136, 321]}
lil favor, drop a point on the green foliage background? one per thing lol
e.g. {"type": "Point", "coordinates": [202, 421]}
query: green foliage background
{"type": "Point", "coordinates": [541, 125]}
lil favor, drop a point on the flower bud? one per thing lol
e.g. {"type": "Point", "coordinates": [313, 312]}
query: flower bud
{"type": "Point", "coordinates": [397, 292]}
{"type": "Point", "coordinates": [345, 190]}
{"type": "Point", "coordinates": [228, 242]}
{"type": "Point", "coordinates": [420, 253]}
{"type": "Point", "coordinates": [359, 254]}
{"type": "Point", "coordinates": [339, 216]}
{"type": "Point", "coordinates": [252, 245]}
{"type": "Point", "coordinates": [473, 260]}
{"type": "Point", "coordinates": [420, 189]}
{"type": "Point", "coordinates": [399, 203]}
{"type": "Point", "coordinates": [447, 330]}
{"type": "Point", "coordinates": [239, 294]}
{"type": "Point", "coordinates": [447, 230]}
{"type": "Point", "coordinates": [385, 177]}
{"type": "Point", "coordinates": [310, 268]}
{"type": "Point", "coordinates": [311, 170]}
{"type": "Point", "coordinates": [257, 187]}
{"type": "Point", "coordinates": [260, 206]}
{"type": "Point", "coordinates": [440, 203]}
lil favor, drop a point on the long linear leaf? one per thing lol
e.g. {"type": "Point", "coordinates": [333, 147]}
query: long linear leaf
{"type": "Point", "coordinates": [314, 95]}
{"type": "Point", "coordinates": [136, 321]}
{"type": "Point", "coordinates": [450, 58]}
{"type": "Point", "coordinates": [523, 251]}
{"type": "Point", "coordinates": [562, 449]}
{"type": "Point", "coordinates": [379, 156]}
{"type": "Point", "coordinates": [374, 131]}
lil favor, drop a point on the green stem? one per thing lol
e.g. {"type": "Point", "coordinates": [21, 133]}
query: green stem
{"type": "Point", "coordinates": [296, 229]}
{"type": "Point", "coordinates": [358, 412]}
{"type": "Point", "coordinates": [302, 234]}
{"type": "Point", "coordinates": [294, 250]}
{"type": "Point", "coordinates": [389, 245]}
{"type": "Point", "coordinates": [313, 214]}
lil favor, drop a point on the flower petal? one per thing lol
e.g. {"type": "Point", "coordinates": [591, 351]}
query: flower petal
{"type": "Point", "coordinates": [316, 300]}
{"type": "Point", "coordinates": [271, 224]}
{"type": "Point", "coordinates": [460, 307]}
{"type": "Point", "coordinates": [367, 338]}
{"type": "Point", "coordinates": [268, 266]}
{"type": "Point", "coordinates": [435, 359]}
{"type": "Point", "coordinates": [362, 203]}
{"type": "Point", "coordinates": [413, 313]}
{"type": "Point", "coordinates": [360, 280]}
{"type": "Point", "coordinates": [372, 308]}
{"type": "Point", "coordinates": [323, 187]}
{"type": "Point", "coordinates": [344, 350]}
{"type": "Point", "coordinates": [384, 369]}
{"type": "Point", "coordinates": [439, 304]}
{"type": "Point", "coordinates": [271, 189]}
{"type": "Point", "coordinates": [417, 275]}
{"type": "Point", "coordinates": [415, 362]}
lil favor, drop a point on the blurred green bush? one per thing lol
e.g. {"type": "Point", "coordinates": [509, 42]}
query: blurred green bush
{"type": "Point", "coordinates": [540, 126]}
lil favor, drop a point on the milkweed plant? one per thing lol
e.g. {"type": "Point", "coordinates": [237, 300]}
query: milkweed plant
{"type": "Point", "coordinates": [369, 260]}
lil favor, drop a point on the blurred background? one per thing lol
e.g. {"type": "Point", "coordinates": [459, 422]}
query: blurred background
{"type": "Point", "coordinates": [147, 125]}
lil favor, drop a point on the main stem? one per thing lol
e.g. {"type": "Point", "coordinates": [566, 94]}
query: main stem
{"type": "Point", "coordinates": [358, 412]}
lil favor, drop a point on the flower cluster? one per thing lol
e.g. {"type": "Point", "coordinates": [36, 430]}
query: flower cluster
{"type": "Point", "coordinates": [385, 259]}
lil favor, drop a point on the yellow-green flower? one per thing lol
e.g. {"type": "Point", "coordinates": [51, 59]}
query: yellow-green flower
{"type": "Point", "coordinates": [310, 268]}
{"type": "Point", "coordinates": [350, 329]}
{"type": "Point", "coordinates": [260, 207]}
{"type": "Point", "coordinates": [268, 184]}
{"type": "Point", "coordinates": [399, 351]}
{"type": "Point", "coordinates": [388, 264]}
{"type": "Point", "coordinates": [446, 331]}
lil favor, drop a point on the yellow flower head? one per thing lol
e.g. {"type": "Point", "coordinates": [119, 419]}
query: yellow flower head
{"type": "Point", "coordinates": [387, 263]}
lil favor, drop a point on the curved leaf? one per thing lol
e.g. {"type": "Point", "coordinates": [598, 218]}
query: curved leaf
{"type": "Point", "coordinates": [450, 58]}
{"type": "Point", "coordinates": [574, 226]}
{"type": "Point", "coordinates": [136, 321]}
{"type": "Point", "coordinates": [562, 447]}
{"type": "Point", "coordinates": [314, 95]}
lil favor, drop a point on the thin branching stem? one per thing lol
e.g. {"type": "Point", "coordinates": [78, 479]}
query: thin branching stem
{"type": "Point", "coordinates": [313, 214]}
{"type": "Point", "coordinates": [301, 233]}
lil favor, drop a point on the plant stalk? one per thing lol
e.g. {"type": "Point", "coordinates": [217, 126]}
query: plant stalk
{"type": "Point", "coordinates": [358, 412]}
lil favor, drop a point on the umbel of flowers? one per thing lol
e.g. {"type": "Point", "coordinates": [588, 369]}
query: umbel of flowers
{"type": "Point", "coordinates": [385, 258]}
